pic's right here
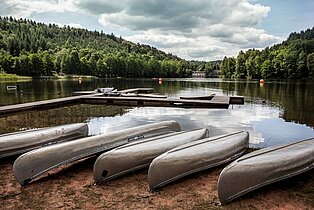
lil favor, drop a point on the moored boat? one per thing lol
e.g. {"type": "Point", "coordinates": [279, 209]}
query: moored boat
{"type": "Point", "coordinates": [204, 97]}
{"type": "Point", "coordinates": [196, 156]}
{"type": "Point", "coordinates": [34, 163]}
{"type": "Point", "coordinates": [139, 154]}
{"type": "Point", "coordinates": [263, 167]}
{"type": "Point", "coordinates": [24, 141]}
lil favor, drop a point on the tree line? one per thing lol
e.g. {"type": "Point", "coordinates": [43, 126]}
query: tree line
{"type": "Point", "coordinates": [292, 59]}
{"type": "Point", "coordinates": [36, 49]}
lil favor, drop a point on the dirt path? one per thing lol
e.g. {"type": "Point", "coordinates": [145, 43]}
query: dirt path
{"type": "Point", "coordinates": [72, 187]}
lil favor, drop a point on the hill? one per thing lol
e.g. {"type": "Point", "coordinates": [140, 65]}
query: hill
{"type": "Point", "coordinates": [36, 49]}
{"type": "Point", "coordinates": [292, 59]}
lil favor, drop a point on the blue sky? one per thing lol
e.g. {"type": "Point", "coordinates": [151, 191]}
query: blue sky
{"type": "Point", "coordinates": [194, 29]}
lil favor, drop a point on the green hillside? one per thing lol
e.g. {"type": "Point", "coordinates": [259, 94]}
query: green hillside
{"type": "Point", "coordinates": [36, 49]}
{"type": "Point", "coordinates": [292, 59]}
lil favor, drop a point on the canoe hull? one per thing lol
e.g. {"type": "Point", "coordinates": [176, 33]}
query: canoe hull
{"type": "Point", "coordinates": [205, 97]}
{"type": "Point", "coordinates": [196, 156]}
{"type": "Point", "coordinates": [34, 163]}
{"type": "Point", "coordinates": [263, 167]}
{"type": "Point", "coordinates": [24, 141]}
{"type": "Point", "coordinates": [138, 155]}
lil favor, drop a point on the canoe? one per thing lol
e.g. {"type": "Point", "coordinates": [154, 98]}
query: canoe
{"type": "Point", "coordinates": [205, 97]}
{"type": "Point", "coordinates": [264, 167]}
{"type": "Point", "coordinates": [196, 156]}
{"type": "Point", "coordinates": [104, 90]}
{"type": "Point", "coordinates": [34, 163]}
{"type": "Point", "coordinates": [24, 141]}
{"type": "Point", "coordinates": [139, 154]}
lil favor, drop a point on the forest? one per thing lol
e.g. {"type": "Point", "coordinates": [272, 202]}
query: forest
{"type": "Point", "coordinates": [292, 59]}
{"type": "Point", "coordinates": [36, 49]}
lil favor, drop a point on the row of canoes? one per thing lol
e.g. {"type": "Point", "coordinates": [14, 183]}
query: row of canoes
{"type": "Point", "coordinates": [168, 152]}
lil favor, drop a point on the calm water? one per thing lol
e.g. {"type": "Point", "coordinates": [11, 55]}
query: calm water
{"type": "Point", "coordinates": [276, 112]}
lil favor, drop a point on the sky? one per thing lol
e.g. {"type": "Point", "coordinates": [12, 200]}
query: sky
{"type": "Point", "coordinates": [192, 29]}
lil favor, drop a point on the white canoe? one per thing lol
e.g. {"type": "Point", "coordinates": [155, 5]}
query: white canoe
{"type": "Point", "coordinates": [34, 163]}
{"type": "Point", "coordinates": [204, 97]}
{"type": "Point", "coordinates": [196, 156]}
{"type": "Point", "coordinates": [264, 167]}
{"type": "Point", "coordinates": [139, 154]}
{"type": "Point", "coordinates": [24, 141]}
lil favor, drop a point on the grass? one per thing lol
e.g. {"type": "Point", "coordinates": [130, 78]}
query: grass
{"type": "Point", "coordinates": [70, 76]}
{"type": "Point", "coordinates": [5, 76]}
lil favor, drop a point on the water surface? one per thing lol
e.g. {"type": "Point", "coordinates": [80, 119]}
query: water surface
{"type": "Point", "coordinates": [275, 112]}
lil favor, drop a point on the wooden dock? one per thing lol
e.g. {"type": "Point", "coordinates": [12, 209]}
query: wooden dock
{"type": "Point", "coordinates": [218, 102]}
{"type": "Point", "coordinates": [52, 103]}
{"type": "Point", "coordinates": [160, 102]}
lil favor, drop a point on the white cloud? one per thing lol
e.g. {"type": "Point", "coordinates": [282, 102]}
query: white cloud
{"type": "Point", "coordinates": [75, 25]}
{"type": "Point", "coordinates": [247, 14]}
{"type": "Point", "coordinates": [196, 29]}
{"type": "Point", "coordinates": [199, 29]}
{"type": "Point", "coordinates": [25, 8]}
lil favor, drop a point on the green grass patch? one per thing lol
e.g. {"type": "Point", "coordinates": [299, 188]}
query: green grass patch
{"type": "Point", "coordinates": [5, 76]}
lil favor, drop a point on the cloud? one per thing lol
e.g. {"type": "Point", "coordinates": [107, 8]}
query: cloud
{"type": "Point", "coordinates": [195, 29]}
{"type": "Point", "coordinates": [247, 14]}
{"type": "Point", "coordinates": [198, 29]}
{"type": "Point", "coordinates": [25, 8]}
{"type": "Point", "coordinates": [75, 25]}
{"type": "Point", "coordinates": [101, 7]}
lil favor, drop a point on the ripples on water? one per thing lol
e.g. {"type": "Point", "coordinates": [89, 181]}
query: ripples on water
{"type": "Point", "coordinates": [265, 114]}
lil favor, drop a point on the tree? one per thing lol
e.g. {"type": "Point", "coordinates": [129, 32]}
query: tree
{"type": "Point", "coordinates": [257, 67]}
{"type": "Point", "coordinates": [310, 64]}
{"type": "Point", "coordinates": [302, 70]}
{"type": "Point", "coordinates": [266, 69]}
{"type": "Point", "coordinates": [36, 65]}
{"type": "Point", "coordinates": [240, 70]}
{"type": "Point", "coordinates": [48, 64]}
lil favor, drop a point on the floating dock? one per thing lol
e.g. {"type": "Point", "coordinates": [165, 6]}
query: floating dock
{"type": "Point", "coordinates": [217, 102]}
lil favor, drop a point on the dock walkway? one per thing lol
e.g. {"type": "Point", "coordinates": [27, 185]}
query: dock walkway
{"type": "Point", "coordinates": [218, 102]}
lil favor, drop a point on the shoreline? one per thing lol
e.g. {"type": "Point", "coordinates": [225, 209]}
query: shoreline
{"type": "Point", "coordinates": [72, 187]}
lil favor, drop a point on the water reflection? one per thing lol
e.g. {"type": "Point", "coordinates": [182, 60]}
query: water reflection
{"type": "Point", "coordinates": [277, 112]}
{"type": "Point", "coordinates": [59, 116]}
{"type": "Point", "coordinates": [262, 122]}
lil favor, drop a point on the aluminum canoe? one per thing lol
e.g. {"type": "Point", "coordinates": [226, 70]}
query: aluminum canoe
{"type": "Point", "coordinates": [139, 154]}
{"type": "Point", "coordinates": [24, 141]}
{"type": "Point", "coordinates": [196, 156]}
{"type": "Point", "coordinates": [263, 167]}
{"type": "Point", "coordinates": [34, 163]}
{"type": "Point", "coordinates": [204, 97]}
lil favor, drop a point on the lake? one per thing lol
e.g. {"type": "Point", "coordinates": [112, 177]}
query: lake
{"type": "Point", "coordinates": [275, 112]}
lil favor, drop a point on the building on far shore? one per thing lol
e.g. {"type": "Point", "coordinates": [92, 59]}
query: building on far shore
{"type": "Point", "coordinates": [198, 74]}
{"type": "Point", "coordinates": [204, 74]}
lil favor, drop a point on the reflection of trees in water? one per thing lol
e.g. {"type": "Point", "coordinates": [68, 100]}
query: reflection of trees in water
{"type": "Point", "coordinates": [295, 97]}
{"type": "Point", "coordinates": [59, 116]}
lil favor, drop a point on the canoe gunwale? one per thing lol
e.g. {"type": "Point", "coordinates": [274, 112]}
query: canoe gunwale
{"type": "Point", "coordinates": [295, 160]}
{"type": "Point", "coordinates": [123, 173]}
{"type": "Point", "coordinates": [242, 138]}
{"type": "Point", "coordinates": [72, 159]}
{"type": "Point", "coordinates": [201, 141]}
{"type": "Point", "coordinates": [25, 171]}
{"type": "Point", "coordinates": [149, 139]}
{"type": "Point", "coordinates": [41, 137]}
{"type": "Point", "coordinates": [235, 196]}
{"type": "Point", "coordinates": [100, 167]}
{"type": "Point", "coordinates": [153, 189]}
{"type": "Point", "coordinates": [270, 149]}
